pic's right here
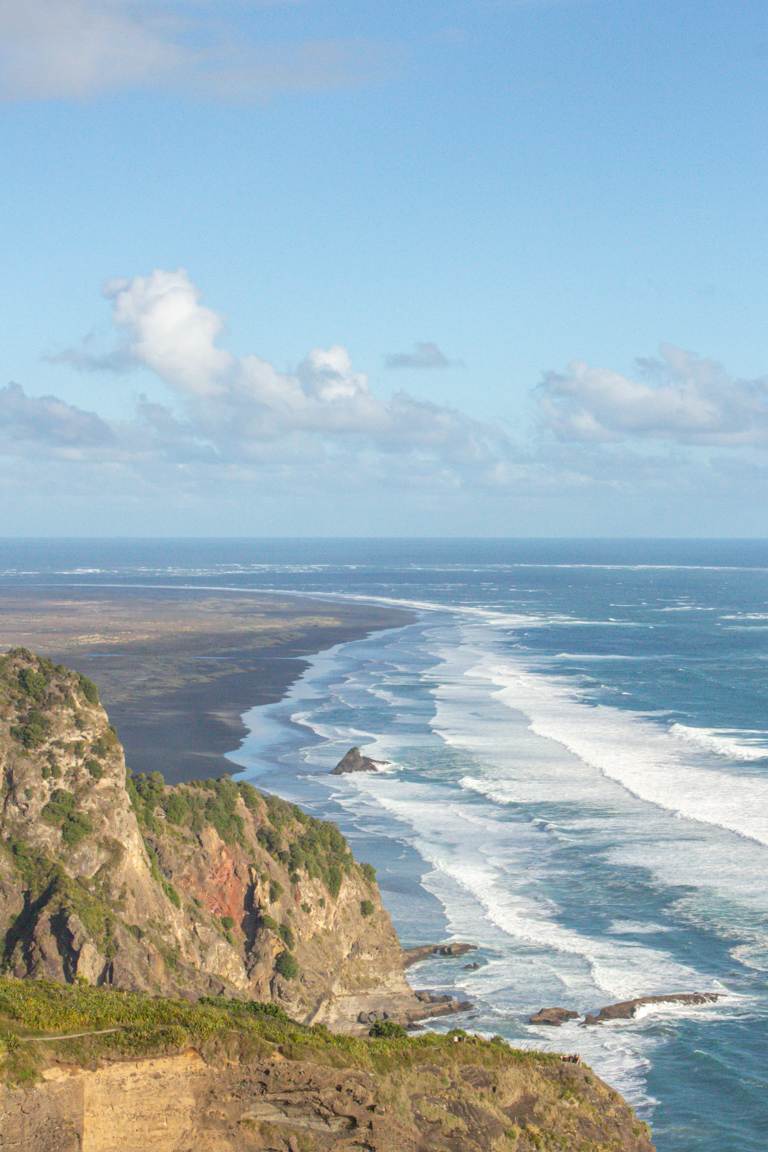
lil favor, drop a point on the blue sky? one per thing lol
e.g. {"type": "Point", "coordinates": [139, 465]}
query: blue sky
{"type": "Point", "coordinates": [470, 266]}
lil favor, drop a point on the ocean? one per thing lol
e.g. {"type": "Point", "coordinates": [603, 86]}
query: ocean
{"type": "Point", "coordinates": [577, 743]}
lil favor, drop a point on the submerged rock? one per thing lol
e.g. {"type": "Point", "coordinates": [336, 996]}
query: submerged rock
{"type": "Point", "coordinates": [354, 761]}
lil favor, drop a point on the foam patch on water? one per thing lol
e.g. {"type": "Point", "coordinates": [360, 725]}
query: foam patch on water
{"type": "Point", "coordinates": [636, 928]}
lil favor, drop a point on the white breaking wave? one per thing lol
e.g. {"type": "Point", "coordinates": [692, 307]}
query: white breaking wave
{"type": "Point", "coordinates": [721, 741]}
{"type": "Point", "coordinates": [513, 765]}
{"type": "Point", "coordinates": [752, 955]}
{"type": "Point", "coordinates": [685, 608]}
{"type": "Point", "coordinates": [479, 855]}
{"type": "Point", "coordinates": [480, 868]}
{"type": "Point", "coordinates": [630, 749]}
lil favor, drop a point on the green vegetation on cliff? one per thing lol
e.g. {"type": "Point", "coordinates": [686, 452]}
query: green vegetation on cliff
{"type": "Point", "coordinates": [299, 842]}
{"type": "Point", "coordinates": [61, 811]}
{"type": "Point", "coordinates": [38, 1009]}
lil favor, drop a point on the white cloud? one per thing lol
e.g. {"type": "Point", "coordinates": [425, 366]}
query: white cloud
{"type": "Point", "coordinates": [75, 49]}
{"type": "Point", "coordinates": [237, 421]}
{"type": "Point", "coordinates": [169, 331]}
{"type": "Point", "coordinates": [678, 397]}
{"type": "Point", "coordinates": [241, 410]}
{"type": "Point", "coordinates": [328, 374]}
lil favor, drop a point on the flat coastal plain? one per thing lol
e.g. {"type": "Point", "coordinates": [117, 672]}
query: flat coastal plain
{"type": "Point", "coordinates": [177, 668]}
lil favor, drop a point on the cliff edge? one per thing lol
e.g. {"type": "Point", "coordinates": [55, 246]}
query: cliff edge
{"type": "Point", "coordinates": [94, 1069]}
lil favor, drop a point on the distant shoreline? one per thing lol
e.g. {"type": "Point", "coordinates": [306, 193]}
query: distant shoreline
{"type": "Point", "coordinates": [178, 668]}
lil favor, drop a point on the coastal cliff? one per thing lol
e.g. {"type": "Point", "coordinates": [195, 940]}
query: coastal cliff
{"type": "Point", "coordinates": [201, 888]}
{"type": "Point", "coordinates": [95, 1070]}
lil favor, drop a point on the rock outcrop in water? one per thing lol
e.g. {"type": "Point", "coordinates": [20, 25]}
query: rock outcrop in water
{"type": "Point", "coordinates": [554, 1017]}
{"type": "Point", "coordinates": [624, 1010]}
{"type": "Point", "coordinates": [452, 950]}
{"type": "Point", "coordinates": [354, 761]}
{"type": "Point", "coordinates": [627, 1009]}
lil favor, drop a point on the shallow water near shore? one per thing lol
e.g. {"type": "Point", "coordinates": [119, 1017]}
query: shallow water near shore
{"type": "Point", "coordinates": [578, 743]}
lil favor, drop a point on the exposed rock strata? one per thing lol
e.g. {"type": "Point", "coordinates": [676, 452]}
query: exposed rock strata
{"type": "Point", "coordinates": [452, 1104]}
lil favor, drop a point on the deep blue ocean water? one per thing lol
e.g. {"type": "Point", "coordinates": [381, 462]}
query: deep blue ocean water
{"type": "Point", "coordinates": [578, 740]}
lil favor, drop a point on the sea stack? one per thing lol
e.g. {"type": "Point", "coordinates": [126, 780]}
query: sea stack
{"type": "Point", "coordinates": [354, 761]}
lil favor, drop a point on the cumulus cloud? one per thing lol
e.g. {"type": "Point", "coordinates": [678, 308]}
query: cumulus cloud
{"type": "Point", "coordinates": [168, 330]}
{"type": "Point", "coordinates": [241, 412]}
{"type": "Point", "coordinates": [237, 402]}
{"type": "Point", "coordinates": [424, 355]}
{"type": "Point", "coordinates": [676, 397]}
{"type": "Point", "coordinates": [74, 49]}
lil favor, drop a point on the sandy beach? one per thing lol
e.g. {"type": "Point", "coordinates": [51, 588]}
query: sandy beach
{"type": "Point", "coordinates": [177, 668]}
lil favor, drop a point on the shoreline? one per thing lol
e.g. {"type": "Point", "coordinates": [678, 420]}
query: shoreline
{"type": "Point", "coordinates": [179, 669]}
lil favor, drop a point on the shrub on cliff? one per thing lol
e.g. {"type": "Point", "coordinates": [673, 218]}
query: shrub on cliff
{"type": "Point", "coordinates": [89, 690]}
{"type": "Point", "coordinates": [33, 731]}
{"type": "Point", "coordinates": [221, 811]}
{"type": "Point", "coordinates": [387, 1030]}
{"type": "Point", "coordinates": [61, 812]}
{"type": "Point", "coordinates": [33, 682]}
{"type": "Point", "coordinates": [286, 935]}
{"type": "Point", "coordinates": [287, 966]}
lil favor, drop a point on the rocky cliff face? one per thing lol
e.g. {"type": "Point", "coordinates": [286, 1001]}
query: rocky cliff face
{"type": "Point", "coordinates": [201, 888]}
{"type": "Point", "coordinates": [178, 1103]}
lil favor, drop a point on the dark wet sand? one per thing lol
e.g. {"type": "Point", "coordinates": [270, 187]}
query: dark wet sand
{"type": "Point", "coordinates": [177, 668]}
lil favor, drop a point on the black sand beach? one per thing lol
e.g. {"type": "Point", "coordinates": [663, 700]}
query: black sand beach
{"type": "Point", "coordinates": [177, 668]}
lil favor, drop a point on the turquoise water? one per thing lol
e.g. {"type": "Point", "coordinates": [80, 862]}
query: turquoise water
{"type": "Point", "coordinates": [578, 740]}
